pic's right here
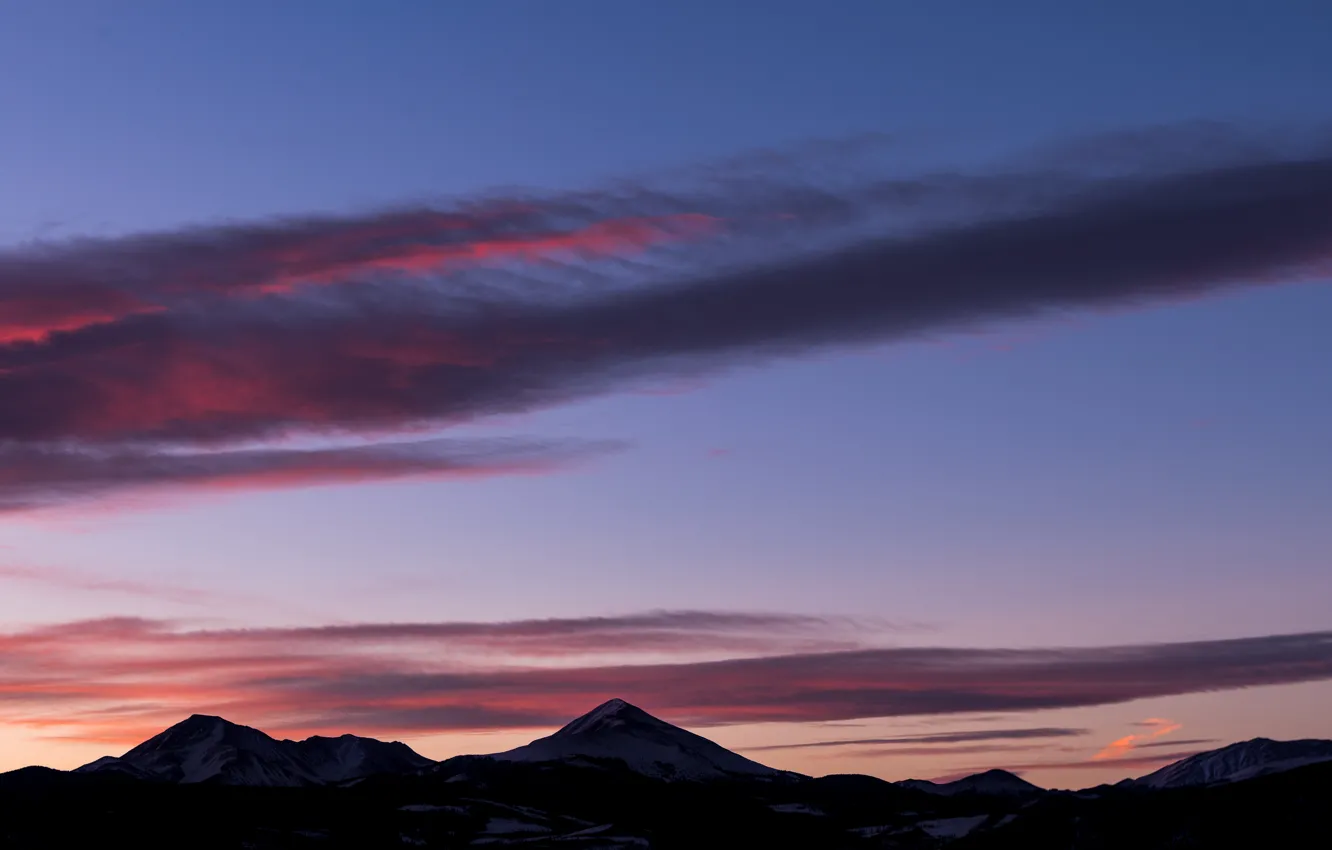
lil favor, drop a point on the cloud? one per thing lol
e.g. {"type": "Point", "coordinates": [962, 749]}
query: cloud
{"type": "Point", "coordinates": [74, 580]}
{"type": "Point", "coordinates": [213, 338]}
{"type": "Point", "coordinates": [939, 738]}
{"type": "Point", "coordinates": [944, 752]}
{"type": "Point", "coordinates": [1177, 742]}
{"type": "Point", "coordinates": [55, 287]}
{"type": "Point", "coordinates": [33, 476]}
{"type": "Point", "coordinates": [1121, 747]}
{"type": "Point", "coordinates": [381, 356]}
{"type": "Point", "coordinates": [696, 668]}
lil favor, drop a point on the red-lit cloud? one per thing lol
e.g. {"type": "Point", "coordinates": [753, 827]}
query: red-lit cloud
{"type": "Point", "coordinates": [32, 314]}
{"type": "Point", "coordinates": [64, 288]}
{"type": "Point", "coordinates": [206, 339]}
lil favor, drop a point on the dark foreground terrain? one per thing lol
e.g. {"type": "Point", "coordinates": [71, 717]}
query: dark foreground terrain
{"type": "Point", "coordinates": [478, 802]}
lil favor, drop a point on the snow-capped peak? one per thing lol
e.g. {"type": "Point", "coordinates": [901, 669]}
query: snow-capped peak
{"type": "Point", "coordinates": [610, 714]}
{"type": "Point", "coordinates": [616, 730]}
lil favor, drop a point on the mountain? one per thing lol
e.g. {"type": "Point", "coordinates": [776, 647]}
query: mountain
{"type": "Point", "coordinates": [616, 730]}
{"type": "Point", "coordinates": [1237, 762]}
{"type": "Point", "coordinates": [114, 765]}
{"type": "Point", "coordinates": [997, 783]}
{"type": "Point", "coordinates": [211, 749]}
{"type": "Point", "coordinates": [603, 805]}
{"type": "Point", "coordinates": [351, 757]}
{"type": "Point", "coordinates": [603, 781]}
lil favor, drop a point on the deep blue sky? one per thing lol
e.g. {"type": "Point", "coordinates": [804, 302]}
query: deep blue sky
{"type": "Point", "coordinates": [1161, 474]}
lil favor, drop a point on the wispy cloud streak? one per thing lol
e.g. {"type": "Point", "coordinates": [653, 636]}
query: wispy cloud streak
{"type": "Point", "coordinates": [34, 476]}
{"type": "Point", "coordinates": [939, 738]}
{"type": "Point", "coordinates": [413, 678]}
{"type": "Point", "coordinates": [1159, 727]}
{"type": "Point", "coordinates": [74, 580]}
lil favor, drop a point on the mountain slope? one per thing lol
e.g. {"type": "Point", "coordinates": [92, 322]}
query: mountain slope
{"type": "Point", "coordinates": [113, 765]}
{"type": "Point", "coordinates": [1237, 762]}
{"type": "Point", "coordinates": [211, 749]}
{"type": "Point", "coordinates": [204, 748]}
{"type": "Point", "coordinates": [351, 757]}
{"type": "Point", "coordinates": [999, 783]}
{"type": "Point", "coordinates": [617, 730]}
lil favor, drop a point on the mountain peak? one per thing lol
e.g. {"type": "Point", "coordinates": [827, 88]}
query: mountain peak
{"type": "Point", "coordinates": [611, 714]}
{"type": "Point", "coordinates": [998, 773]}
{"type": "Point", "coordinates": [207, 748]}
{"type": "Point", "coordinates": [612, 706]}
{"type": "Point", "coordinates": [619, 731]}
{"type": "Point", "coordinates": [204, 721]}
{"type": "Point", "coordinates": [993, 782]}
{"type": "Point", "coordinates": [199, 721]}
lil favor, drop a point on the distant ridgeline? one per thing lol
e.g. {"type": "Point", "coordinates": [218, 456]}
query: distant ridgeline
{"type": "Point", "coordinates": [619, 777]}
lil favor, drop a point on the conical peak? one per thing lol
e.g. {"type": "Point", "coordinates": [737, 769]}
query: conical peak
{"type": "Point", "coordinates": [197, 727]}
{"type": "Point", "coordinates": [612, 706]}
{"type": "Point", "coordinates": [213, 723]}
{"type": "Point", "coordinates": [611, 714]}
{"type": "Point", "coordinates": [205, 720]}
{"type": "Point", "coordinates": [619, 731]}
{"type": "Point", "coordinates": [197, 724]}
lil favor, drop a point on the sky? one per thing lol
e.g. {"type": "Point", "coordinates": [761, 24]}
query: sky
{"type": "Point", "coordinates": [883, 387]}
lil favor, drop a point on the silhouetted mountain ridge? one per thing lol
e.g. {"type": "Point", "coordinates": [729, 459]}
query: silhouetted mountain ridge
{"type": "Point", "coordinates": [618, 777]}
{"type": "Point", "coordinates": [204, 748]}
{"type": "Point", "coordinates": [991, 782]}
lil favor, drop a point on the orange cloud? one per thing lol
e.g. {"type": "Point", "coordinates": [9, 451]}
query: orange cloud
{"type": "Point", "coordinates": [1123, 746]}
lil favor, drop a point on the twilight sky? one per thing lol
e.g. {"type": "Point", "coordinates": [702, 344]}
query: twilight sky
{"type": "Point", "coordinates": [897, 388]}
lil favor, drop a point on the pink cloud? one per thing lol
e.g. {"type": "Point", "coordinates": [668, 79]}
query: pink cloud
{"type": "Point", "coordinates": [698, 668]}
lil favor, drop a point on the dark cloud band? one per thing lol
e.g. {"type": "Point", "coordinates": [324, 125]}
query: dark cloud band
{"type": "Point", "coordinates": [427, 318]}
